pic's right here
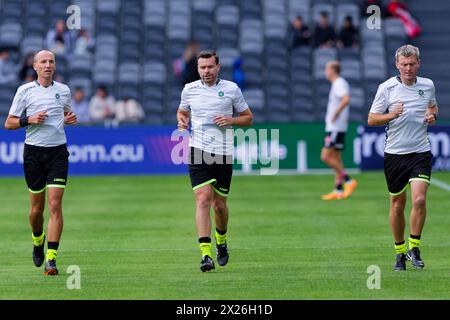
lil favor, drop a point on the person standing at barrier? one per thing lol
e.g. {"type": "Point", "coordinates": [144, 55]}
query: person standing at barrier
{"type": "Point", "coordinates": [210, 103]}
{"type": "Point", "coordinates": [407, 105]}
{"type": "Point", "coordinates": [336, 126]}
{"type": "Point", "coordinates": [43, 107]}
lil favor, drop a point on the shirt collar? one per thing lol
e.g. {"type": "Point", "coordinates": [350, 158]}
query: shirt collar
{"type": "Point", "coordinates": [217, 82]}
{"type": "Point", "coordinates": [400, 80]}
{"type": "Point", "coordinates": [37, 82]}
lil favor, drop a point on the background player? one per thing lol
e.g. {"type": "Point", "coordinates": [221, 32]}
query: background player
{"type": "Point", "coordinates": [336, 126]}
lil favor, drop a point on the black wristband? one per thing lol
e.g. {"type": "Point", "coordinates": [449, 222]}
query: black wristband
{"type": "Point", "coordinates": [435, 116]}
{"type": "Point", "coordinates": [23, 121]}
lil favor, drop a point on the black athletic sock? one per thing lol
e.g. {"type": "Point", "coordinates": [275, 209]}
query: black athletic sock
{"type": "Point", "coordinates": [204, 240]}
{"type": "Point", "coordinates": [221, 232]}
{"type": "Point", "coordinates": [339, 187]}
{"type": "Point", "coordinates": [413, 236]}
{"type": "Point", "coordinates": [53, 245]}
{"type": "Point", "coordinates": [346, 178]}
{"type": "Point", "coordinates": [38, 234]}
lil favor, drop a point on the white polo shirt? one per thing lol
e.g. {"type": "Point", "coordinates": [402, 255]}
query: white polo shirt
{"type": "Point", "coordinates": [205, 103]}
{"type": "Point", "coordinates": [339, 89]}
{"type": "Point", "coordinates": [407, 133]}
{"type": "Point", "coordinates": [32, 98]}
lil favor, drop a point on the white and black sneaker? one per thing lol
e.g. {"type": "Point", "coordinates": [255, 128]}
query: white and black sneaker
{"type": "Point", "coordinates": [207, 264]}
{"type": "Point", "coordinates": [413, 255]}
{"type": "Point", "coordinates": [222, 254]}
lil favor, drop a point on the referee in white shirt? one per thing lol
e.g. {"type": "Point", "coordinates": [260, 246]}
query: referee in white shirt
{"type": "Point", "coordinates": [210, 103]}
{"type": "Point", "coordinates": [43, 107]}
{"type": "Point", "coordinates": [407, 105]}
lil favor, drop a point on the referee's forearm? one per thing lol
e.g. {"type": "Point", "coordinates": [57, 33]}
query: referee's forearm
{"type": "Point", "coordinates": [12, 123]}
{"type": "Point", "coordinates": [243, 121]}
{"type": "Point", "coordinates": [375, 119]}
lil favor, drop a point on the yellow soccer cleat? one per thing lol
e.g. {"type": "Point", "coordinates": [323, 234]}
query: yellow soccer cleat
{"type": "Point", "coordinates": [350, 187]}
{"type": "Point", "coordinates": [333, 195]}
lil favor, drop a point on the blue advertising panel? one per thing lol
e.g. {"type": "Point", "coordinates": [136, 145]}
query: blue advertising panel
{"type": "Point", "coordinates": [98, 150]}
{"type": "Point", "coordinates": [372, 141]}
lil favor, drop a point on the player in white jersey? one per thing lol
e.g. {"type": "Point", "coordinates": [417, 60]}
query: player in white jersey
{"type": "Point", "coordinates": [407, 105]}
{"type": "Point", "coordinates": [336, 126]}
{"type": "Point", "coordinates": [210, 103]}
{"type": "Point", "coordinates": [43, 107]}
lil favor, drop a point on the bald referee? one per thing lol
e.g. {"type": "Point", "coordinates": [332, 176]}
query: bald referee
{"type": "Point", "coordinates": [43, 107]}
{"type": "Point", "coordinates": [210, 103]}
{"type": "Point", "coordinates": [407, 105]}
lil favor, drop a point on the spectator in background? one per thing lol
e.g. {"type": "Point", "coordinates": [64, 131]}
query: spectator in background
{"type": "Point", "coordinates": [129, 110]}
{"type": "Point", "coordinates": [185, 67]}
{"type": "Point", "coordinates": [324, 35]}
{"type": "Point", "coordinates": [27, 72]}
{"type": "Point", "coordinates": [8, 71]}
{"type": "Point", "coordinates": [59, 40]}
{"type": "Point", "coordinates": [80, 105]}
{"type": "Point", "coordinates": [238, 74]}
{"type": "Point", "coordinates": [399, 10]}
{"type": "Point", "coordinates": [299, 34]}
{"type": "Point", "coordinates": [84, 43]}
{"type": "Point", "coordinates": [349, 35]}
{"type": "Point", "coordinates": [102, 106]}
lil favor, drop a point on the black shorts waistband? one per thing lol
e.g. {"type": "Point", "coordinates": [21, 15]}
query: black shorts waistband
{"type": "Point", "coordinates": [45, 149]}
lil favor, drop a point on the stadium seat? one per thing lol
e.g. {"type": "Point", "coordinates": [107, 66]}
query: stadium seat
{"type": "Point", "coordinates": [228, 56]}
{"type": "Point", "coordinates": [10, 34]}
{"type": "Point", "coordinates": [31, 44]}
{"type": "Point", "coordinates": [108, 6]}
{"type": "Point", "coordinates": [154, 72]}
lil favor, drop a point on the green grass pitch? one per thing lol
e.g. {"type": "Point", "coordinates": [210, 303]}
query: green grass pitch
{"type": "Point", "coordinates": [134, 238]}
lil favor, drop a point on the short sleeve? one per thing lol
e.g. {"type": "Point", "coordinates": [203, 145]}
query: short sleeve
{"type": "Point", "coordinates": [68, 102]}
{"type": "Point", "coordinates": [433, 100]}
{"type": "Point", "coordinates": [342, 89]}
{"type": "Point", "coordinates": [239, 104]}
{"type": "Point", "coordinates": [19, 103]}
{"type": "Point", "coordinates": [184, 105]}
{"type": "Point", "coordinates": [379, 104]}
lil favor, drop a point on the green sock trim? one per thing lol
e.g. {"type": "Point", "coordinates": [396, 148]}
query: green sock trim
{"type": "Point", "coordinates": [413, 243]}
{"type": "Point", "coordinates": [220, 239]}
{"type": "Point", "coordinates": [205, 248]}
{"type": "Point", "coordinates": [37, 241]}
{"type": "Point", "coordinates": [51, 254]}
{"type": "Point", "coordinates": [400, 248]}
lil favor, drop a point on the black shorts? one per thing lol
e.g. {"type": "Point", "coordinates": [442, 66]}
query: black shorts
{"type": "Point", "coordinates": [206, 168]}
{"type": "Point", "coordinates": [335, 140]}
{"type": "Point", "coordinates": [45, 167]}
{"type": "Point", "coordinates": [401, 169]}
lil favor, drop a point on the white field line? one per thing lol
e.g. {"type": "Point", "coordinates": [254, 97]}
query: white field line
{"type": "Point", "coordinates": [440, 184]}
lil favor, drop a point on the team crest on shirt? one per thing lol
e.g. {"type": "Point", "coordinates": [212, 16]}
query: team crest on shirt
{"type": "Point", "coordinates": [221, 94]}
{"type": "Point", "coordinates": [421, 92]}
{"type": "Point", "coordinates": [57, 96]}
